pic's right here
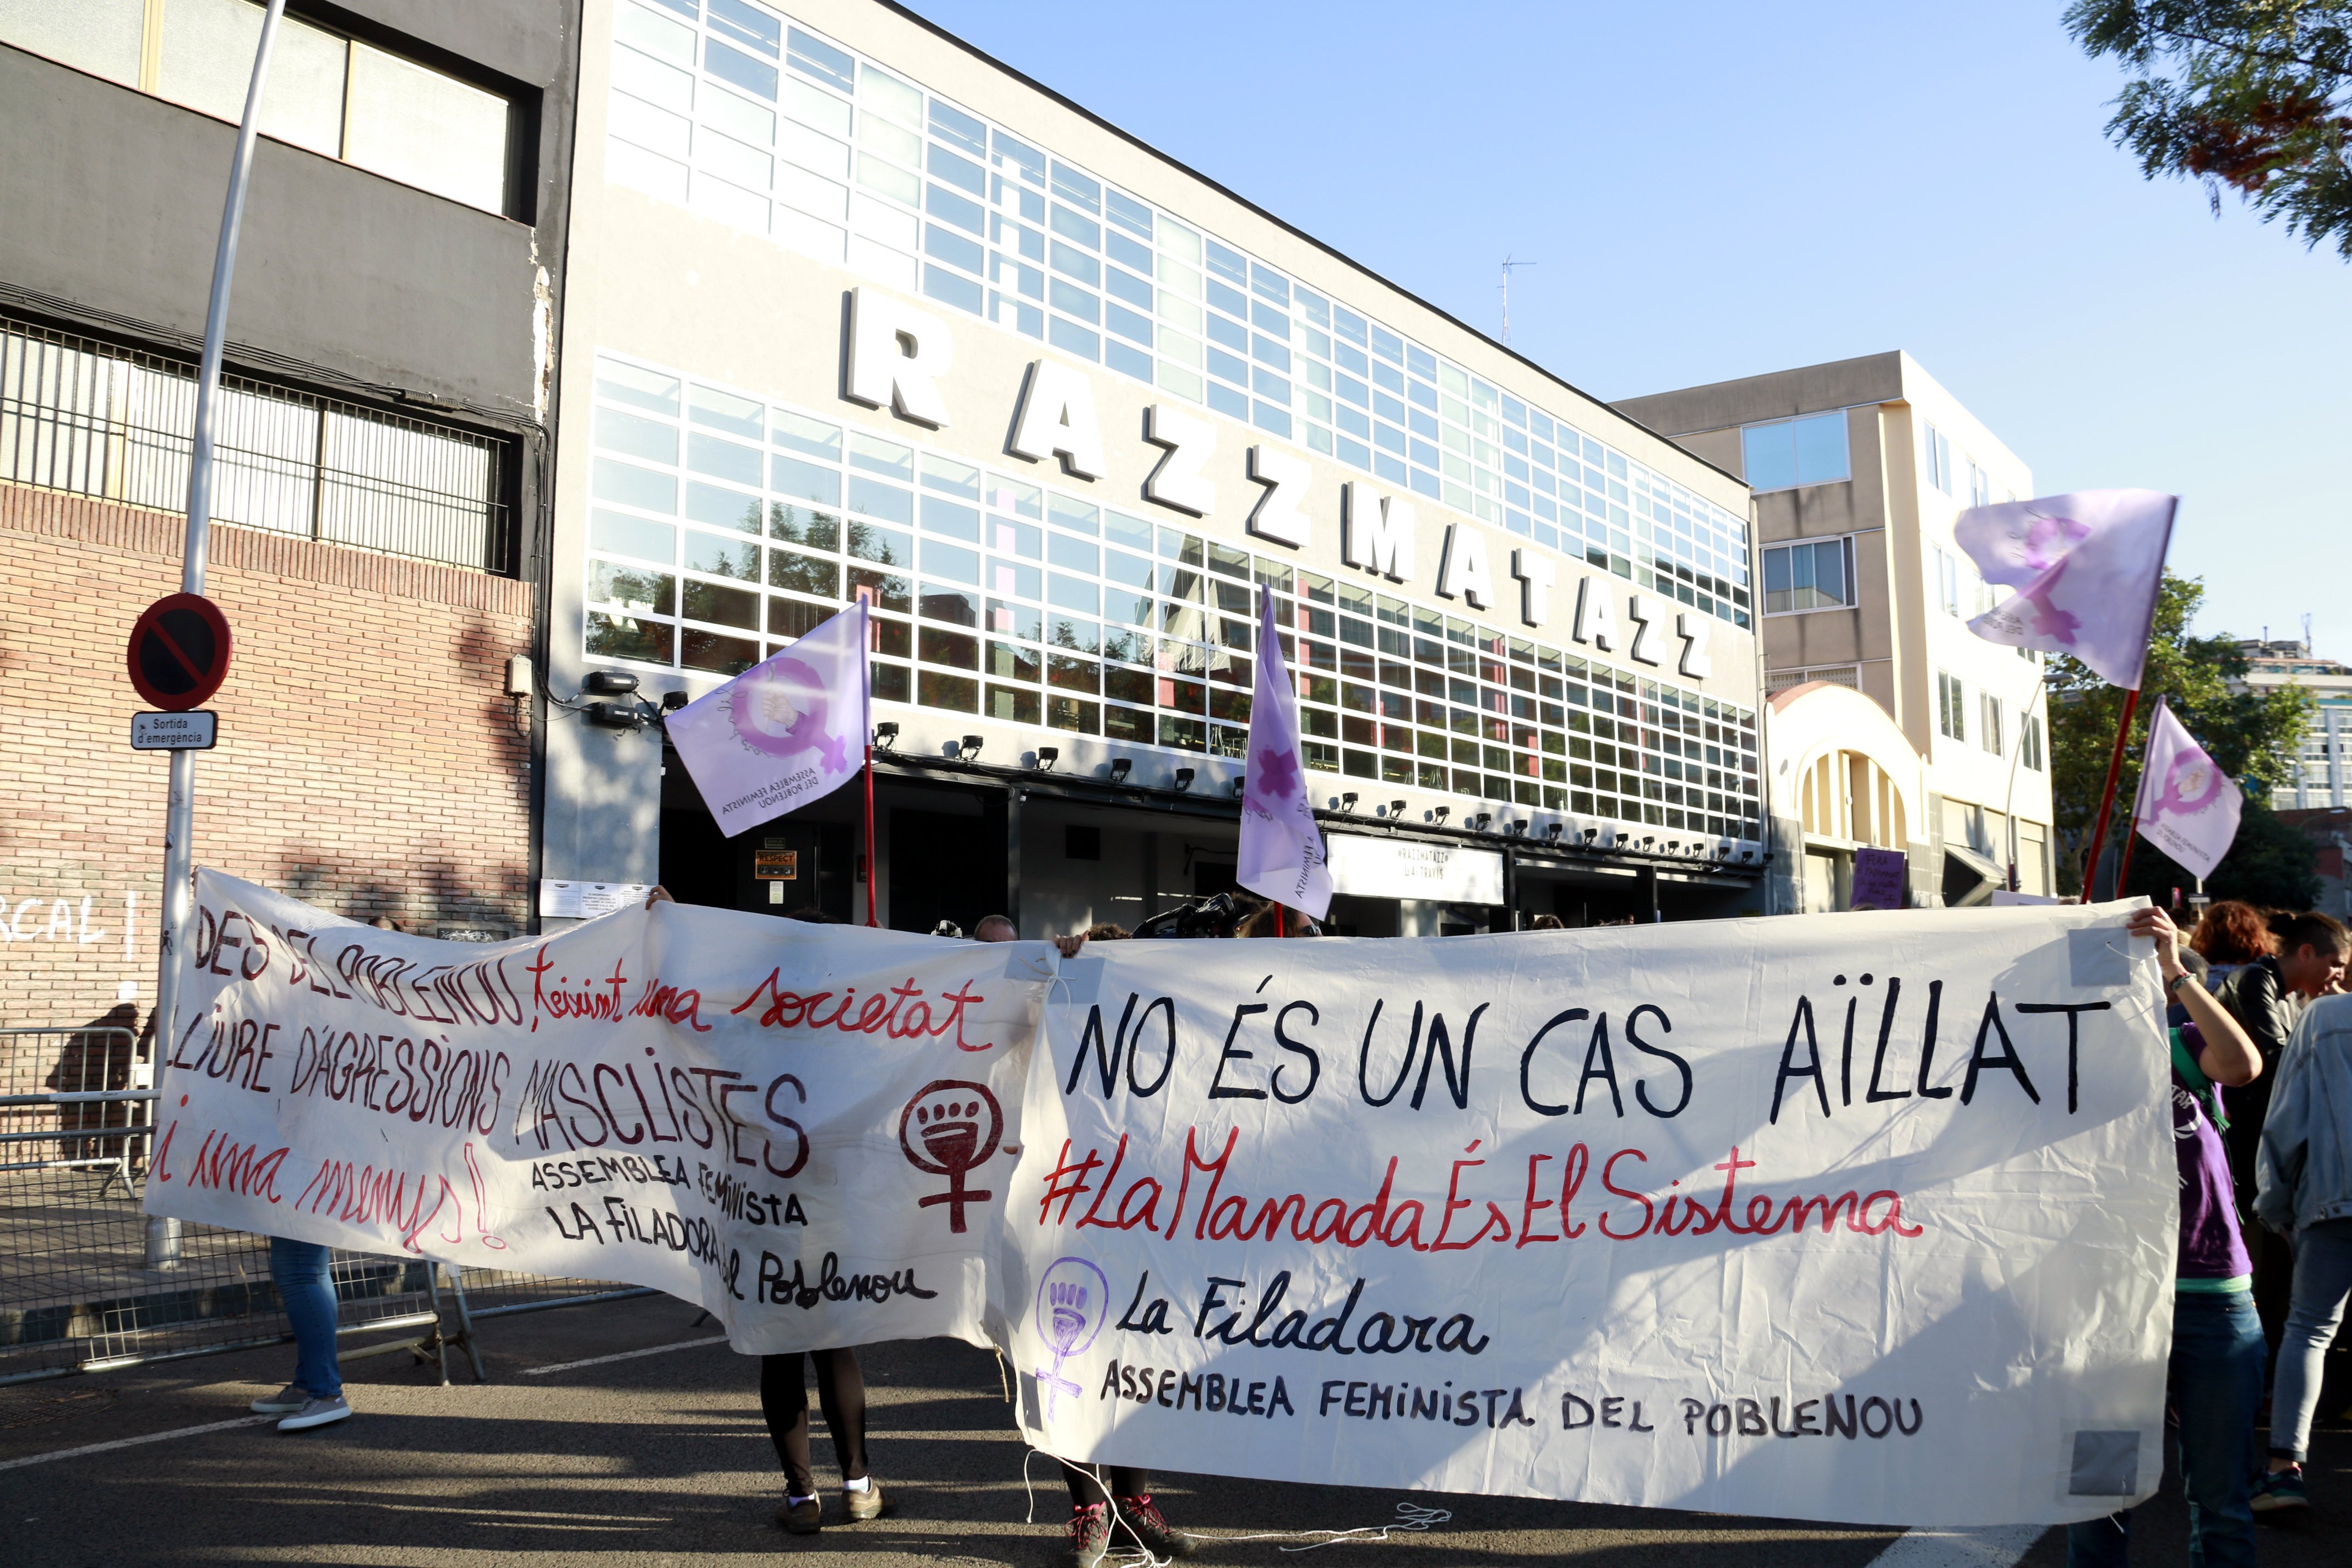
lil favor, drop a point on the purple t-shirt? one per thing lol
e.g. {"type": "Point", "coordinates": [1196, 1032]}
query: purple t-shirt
{"type": "Point", "coordinates": [2212, 1252]}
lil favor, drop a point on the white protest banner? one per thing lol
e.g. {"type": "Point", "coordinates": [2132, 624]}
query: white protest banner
{"type": "Point", "coordinates": [806, 1130]}
{"type": "Point", "coordinates": [1866, 1217]}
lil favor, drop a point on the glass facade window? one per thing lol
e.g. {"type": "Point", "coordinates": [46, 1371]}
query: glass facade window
{"type": "Point", "coordinates": [837, 157]}
{"type": "Point", "coordinates": [1951, 707]}
{"type": "Point", "coordinates": [333, 95]}
{"type": "Point", "coordinates": [1033, 606]}
{"type": "Point", "coordinates": [1787, 453]}
{"type": "Point", "coordinates": [1814, 575]}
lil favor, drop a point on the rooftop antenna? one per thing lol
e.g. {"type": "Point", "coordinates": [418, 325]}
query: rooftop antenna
{"type": "Point", "coordinates": [1508, 265]}
{"type": "Point", "coordinates": [2306, 633]}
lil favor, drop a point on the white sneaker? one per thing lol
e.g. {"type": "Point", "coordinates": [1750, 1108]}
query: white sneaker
{"type": "Point", "coordinates": [317, 1413]}
{"type": "Point", "coordinates": [285, 1402]}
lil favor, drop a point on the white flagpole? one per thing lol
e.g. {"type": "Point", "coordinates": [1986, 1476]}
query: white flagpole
{"type": "Point", "coordinates": [163, 1249]}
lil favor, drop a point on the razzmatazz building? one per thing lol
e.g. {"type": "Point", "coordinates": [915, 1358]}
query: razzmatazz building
{"type": "Point", "coordinates": [856, 312]}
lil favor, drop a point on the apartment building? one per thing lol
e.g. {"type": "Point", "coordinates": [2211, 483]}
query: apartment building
{"type": "Point", "coordinates": [382, 432]}
{"type": "Point", "coordinates": [1892, 725]}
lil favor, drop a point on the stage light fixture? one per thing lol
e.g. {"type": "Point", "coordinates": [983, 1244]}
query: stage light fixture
{"type": "Point", "coordinates": [969, 750]}
{"type": "Point", "coordinates": [1119, 767]}
{"type": "Point", "coordinates": [1183, 779]}
{"type": "Point", "coordinates": [1046, 757]}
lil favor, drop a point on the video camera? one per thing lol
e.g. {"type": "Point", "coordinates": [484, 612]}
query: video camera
{"type": "Point", "coordinates": [1215, 916]}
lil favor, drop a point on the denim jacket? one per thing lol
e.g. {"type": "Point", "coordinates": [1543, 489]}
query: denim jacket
{"type": "Point", "coordinates": [2303, 1173]}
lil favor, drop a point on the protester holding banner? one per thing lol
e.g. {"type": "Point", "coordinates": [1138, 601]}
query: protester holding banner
{"type": "Point", "coordinates": [784, 1401]}
{"type": "Point", "coordinates": [840, 1392]}
{"type": "Point", "coordinates": [2266, 997]}
{"type": "Point", "coordinates": [2217, 1353]}
{"type": "Point", "coordinates": [305, 1276]}
{"type": "Point", "coordinates": [2304, 1190]}
{"type": "Point", "coordinates": [1106, 1499]}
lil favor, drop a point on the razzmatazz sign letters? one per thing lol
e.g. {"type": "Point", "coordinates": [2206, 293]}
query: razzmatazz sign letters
{"type": "Point", "coordinates": [1864, 1217]}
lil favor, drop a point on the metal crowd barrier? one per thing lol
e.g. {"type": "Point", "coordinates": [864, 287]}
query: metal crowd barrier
{"type": "Point", "coordinates": [83, 1290]}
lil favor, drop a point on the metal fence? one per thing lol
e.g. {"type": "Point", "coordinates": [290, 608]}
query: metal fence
{"type": "Point", "coordinates": [98, 419]}
{"type": "Point", "coordinates": [85, 1288]}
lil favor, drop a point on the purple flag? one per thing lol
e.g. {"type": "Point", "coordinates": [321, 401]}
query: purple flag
{"type": "Point", "coordinates": [1282, 854]}
{"type": "Point", "coordinates": [2086, 568]}
{"type": "Point", "coordinates": [783, 732]}
{"type": "Point", "coordinates": [2188, 807]}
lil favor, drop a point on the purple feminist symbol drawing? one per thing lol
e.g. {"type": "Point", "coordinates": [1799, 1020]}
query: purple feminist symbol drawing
{"type": "Point", "coordinates": [2190, 784]}
{"type": "Point", "coordinates": [1276, 778]}
{"type": "Point", "coordinates": [780, 708]}
{"type": "Point", "coordinates": [2048, 541]}
{"type": "Point", "coordinates": [2049, 620]}
{"type": "Point", "coordinates": [1073, 1303]}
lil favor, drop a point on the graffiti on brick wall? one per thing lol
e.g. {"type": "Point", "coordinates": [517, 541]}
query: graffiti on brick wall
{"type": "Point", "coordinates": [67, 918]}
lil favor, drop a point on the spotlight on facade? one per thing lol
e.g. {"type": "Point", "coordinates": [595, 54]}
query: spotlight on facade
{"type": "Point", "coordinates": [1514, 829]}
{"type": "Point", "coordinates": [673, 700]}
{"type": "Point", "coordinates": [1119, 767]}
{"type": "Point", "coordinates": [1183, 779]}
{"type": "Point", "coordinates": [969, 750]}
{"type": "Point", "coordinates": [1555, 830]}
{"type": "Point", "coordinates": [1046, 757]}
{"type": "Point", "coordinates": [1478, 823]}
{"type": "Point", "coordinates": [1348, 802]}
{"type": "Point", "coordinates": [1439, 813]}
{"type": "Point", "coordinates": [609, 683]}
{"type": "Point", "coordinates": [1396, 810]}
{"type": "Point", "coordinates": [1591, 834]}
{"type": "Point", "coordinates": [885, 734]}
{"type": "Point", "coordinates": [1241, 787]}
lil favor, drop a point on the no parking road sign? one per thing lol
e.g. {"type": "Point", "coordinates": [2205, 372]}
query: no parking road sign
{"type": "Point", "coordinates": [179, 652]}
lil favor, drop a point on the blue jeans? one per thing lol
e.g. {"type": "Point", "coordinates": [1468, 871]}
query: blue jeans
{"type": "Point", "coordinates": [305, 1286]}
{"type": "Point", "coordinates": [2217, 1357]}
{"type": "Point", "coordinates": [2323, 1280]}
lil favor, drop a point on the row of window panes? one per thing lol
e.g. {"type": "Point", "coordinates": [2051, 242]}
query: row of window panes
{"type": "Point", "coordinates": [329, 93]}
{"type": "Point", "coordinates": [1018, 629]}
{"type": "Point", "coordinates": [990, 224]}
{"type": "Point", "coordinates": [1990, 718]}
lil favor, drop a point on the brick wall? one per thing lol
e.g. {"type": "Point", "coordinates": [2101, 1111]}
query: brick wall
{"type": "Point", "coordinates": [368, 764]}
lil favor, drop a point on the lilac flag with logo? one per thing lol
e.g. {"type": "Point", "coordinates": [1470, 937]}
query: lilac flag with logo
{"type": "Point", "coordinates": [1282, 852]}
{"type": "Point", "coordinates": [2188, 807]}
{"type": "Point", "coordinates": [2086, 568]}
{"type": "Point", "coordinates": [783, 732]}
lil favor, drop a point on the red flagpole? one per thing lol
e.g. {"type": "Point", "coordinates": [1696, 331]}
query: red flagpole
{"type": "Point", "coordinates": [872, 871]}
{"type": "Point", "coordinates": [2107, 802]}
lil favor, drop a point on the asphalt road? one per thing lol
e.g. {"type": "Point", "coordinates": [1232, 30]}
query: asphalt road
{"type": "Point", "coordinates": [662, 1458]}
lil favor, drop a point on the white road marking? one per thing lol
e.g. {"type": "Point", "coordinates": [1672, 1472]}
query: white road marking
{"type": "Point", "coordinates": [134, 1442]}
{"type": "Point", "coordinates": [622, 1355]}
{"type": "Point", "coordinates": [1991, 1546]}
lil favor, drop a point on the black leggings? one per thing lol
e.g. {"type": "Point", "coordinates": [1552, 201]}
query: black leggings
{"type": "Point", "coordinates": [1085, 1489]}
{"type": "Point", "coordinates": [783, 1400]}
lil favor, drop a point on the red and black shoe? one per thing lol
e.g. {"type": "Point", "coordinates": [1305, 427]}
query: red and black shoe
{"type": "Point", "coordinates": [1156, 1535]}
{"type": "Point", "coordinates": [1090, 1535]}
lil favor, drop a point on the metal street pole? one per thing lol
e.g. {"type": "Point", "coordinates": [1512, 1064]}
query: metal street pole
{"type": "Point", "coordinates": [163, 1249]}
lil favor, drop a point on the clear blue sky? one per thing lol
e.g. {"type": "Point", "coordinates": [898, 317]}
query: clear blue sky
{"type": "Point", "coordinates": [1718, 190]}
